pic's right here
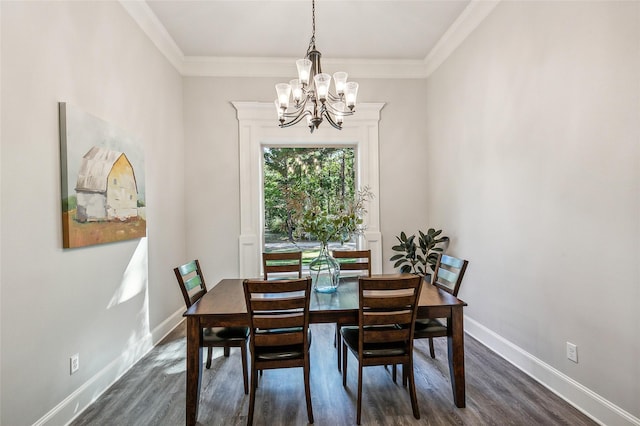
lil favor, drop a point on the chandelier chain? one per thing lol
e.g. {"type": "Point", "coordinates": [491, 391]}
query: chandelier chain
{"type": "Point", "coordinates": [312, 42]}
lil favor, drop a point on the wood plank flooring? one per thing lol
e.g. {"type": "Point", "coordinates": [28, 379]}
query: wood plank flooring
{"type": "Point", "coordinates": [153, 391]}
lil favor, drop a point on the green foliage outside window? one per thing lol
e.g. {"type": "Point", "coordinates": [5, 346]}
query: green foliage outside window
{"type": "Point", "coordinates": [324, 175]}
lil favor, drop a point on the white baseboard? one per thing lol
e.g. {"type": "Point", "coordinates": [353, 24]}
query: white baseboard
{"type": "Point", "coordinates": [581, 397]}
{"type": "Point", "coordinates": [73, 405]}
{"type": "Point", "coordinates": [166, 326]}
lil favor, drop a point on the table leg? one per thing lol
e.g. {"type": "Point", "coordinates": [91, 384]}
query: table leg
{"type": "Point", "coordinates": [194, 369]}
{"type": "Point", "coordinates": [455, 342]}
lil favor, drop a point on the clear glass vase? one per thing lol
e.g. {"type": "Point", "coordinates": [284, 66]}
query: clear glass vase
{"type": "Point", "coordinates": [325, 271]}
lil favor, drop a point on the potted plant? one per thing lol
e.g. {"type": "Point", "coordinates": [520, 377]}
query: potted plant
{"type": "Point", "coordinates": [313, 219]}
{"type": "Point", "coordinates": [419, 257]}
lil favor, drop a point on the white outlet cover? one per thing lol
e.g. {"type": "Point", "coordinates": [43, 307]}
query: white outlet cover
{"type": "Point", "coordinates": [572, 352]}
{"type": "Point", "coordinates": [74, 363]}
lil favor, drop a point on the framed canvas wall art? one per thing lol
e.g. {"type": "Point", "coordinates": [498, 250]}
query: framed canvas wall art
{"type": "Point", "coordinates": [102, 171]}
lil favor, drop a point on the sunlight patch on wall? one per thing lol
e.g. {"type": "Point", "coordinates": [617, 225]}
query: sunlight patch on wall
{"type": "Point", "coordinates": [135, 277]}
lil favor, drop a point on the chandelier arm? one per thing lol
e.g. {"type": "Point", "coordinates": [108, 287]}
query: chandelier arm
{"type": "Point", "coordinates": [297, 109]}
{"type": "Point", "coordinates": [296, 120]}
{"type": "Point", "coordinates": [335, 98]}
{"type": "Point", "coordinates": [327, 115]}
{"type": "Point", "coordinates": [333, 110]}
{"type": "Point", "coordinates": [296, 112]}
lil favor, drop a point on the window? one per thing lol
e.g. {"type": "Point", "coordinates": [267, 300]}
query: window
{"type": "Point", "coordinates": [290, 175]}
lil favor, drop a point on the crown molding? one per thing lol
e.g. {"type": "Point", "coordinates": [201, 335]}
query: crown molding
{"type": "Point", "coordinates": [153, 28]}
{"type": "Point", "coordinates": [465, 24]}
{"type": "Point", "coordinates": [201, 66]}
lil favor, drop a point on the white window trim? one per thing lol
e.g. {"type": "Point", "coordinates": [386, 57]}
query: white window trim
{"type": "Point", "coordinates": [258, 127]}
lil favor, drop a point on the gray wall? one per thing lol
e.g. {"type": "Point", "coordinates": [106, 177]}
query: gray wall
{"type": "Point", "coordinates": [535, 124]}
{"type": "Point", "coordinates": [109, 302]}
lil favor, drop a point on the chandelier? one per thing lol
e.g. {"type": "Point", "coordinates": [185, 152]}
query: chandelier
{"type": "Point", "coordinates": [310, 91]}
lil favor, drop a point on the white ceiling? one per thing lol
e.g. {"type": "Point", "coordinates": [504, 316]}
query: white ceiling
{"type": "Point", "coordinates": [376, 38]}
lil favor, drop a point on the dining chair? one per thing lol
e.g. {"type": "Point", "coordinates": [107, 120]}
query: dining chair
{"type": "Point", "coordinates": [386, 318]}
{"type": "Point", "coordinates": [193, 287]}
{"type": "Point", "coordinates": [282, 262]}
{"type": "Point", "coordinates": [447, 275]}
{"type": "Point", "coordinates": [350, 260]}
{"type": "Point", "coordinates": [354, 260]}
{"type": "Point", "coordinates": [279, 330]}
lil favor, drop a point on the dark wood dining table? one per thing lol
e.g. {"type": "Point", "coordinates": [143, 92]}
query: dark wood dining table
{"type": "Point", "coordinates": [224, 306]}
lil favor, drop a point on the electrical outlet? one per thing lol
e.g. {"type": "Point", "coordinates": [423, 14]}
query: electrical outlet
{"type": "Point", "coordinates": [75, 362]}
{"type": "Point", "coordinates": [572, 352]}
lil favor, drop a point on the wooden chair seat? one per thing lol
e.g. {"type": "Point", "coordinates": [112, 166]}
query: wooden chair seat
{"type": "Point", "coordinates": [220, 334]}
{"type": "Point", "coordinates": [283, 352]}
{"type": "Point", "coordinates": [350, 335]}
{"type": "Point", "coordinates": [428, 328]}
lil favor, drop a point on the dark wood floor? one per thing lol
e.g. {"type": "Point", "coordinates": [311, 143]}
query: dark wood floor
{"type": "Point", "coordinates": [153, 391]}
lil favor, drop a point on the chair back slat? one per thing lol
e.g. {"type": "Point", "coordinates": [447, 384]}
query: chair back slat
{"type": "Point", "coordinates": [191, 282]}
{"type": "Point", "coordinates": [276, 289]}
{"type": "Point", "coordinates": [398, 284]}
{"type": "Point", "coordinates": [371, 335]}
{"type": "Point", "coordinates": [354, 260]}
{"type": "Point", "coordinates": [262, 304]}
{"type": "Point", "coordinates": [388, 302]}
{"type": "Point", "coordinates": [451, 261]}
{"type": "Point", "coordinates": [449, 272]}
{"type": "Point", "coordinates": [446, 275]}
{"type": "Point", "coordinates": [188, 268]}
{"type": "Point", "coordinates": [377, 318]}
{"type": "Point", "coordinates": [278, 321]}
{"type": "Point", "coordinates": [279, 339]}
{"type": "Point", "coordinates": [282, 262]}
{"type": "Point", "coordinates": [275, 269]}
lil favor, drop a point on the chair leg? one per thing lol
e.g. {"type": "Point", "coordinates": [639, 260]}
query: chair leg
{"type": "Point", "coordinates": [252, 394]}
{"type": "Point", "coordinates": [358, 416]}
{"type": "Point", "coordinates": [345, 355]}
{"type": "Point", "coordinates": [336, 343]}
{"type": "Point", "coordinates": [227, 350]}
{"type": "Point", "coordinates": [412, 389]}
{"type": "Point", "coordinates": [307, 391]}
{"type": "Point", "coordinates": [404, 375]}
{"type": "Point", "coordinates": [209, 356]}
{"type": "Point", "coordinates": [393, 372]}
{"type": "Point", "coordinates": [431, 351]}
{"type": "Point", "coordinates": [243, 353]}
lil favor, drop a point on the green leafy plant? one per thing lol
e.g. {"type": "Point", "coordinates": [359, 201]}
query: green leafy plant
{"type": "Point", "coordinates": [415, 257]}
{"type": "Point", "coordinates": [312, 218]}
